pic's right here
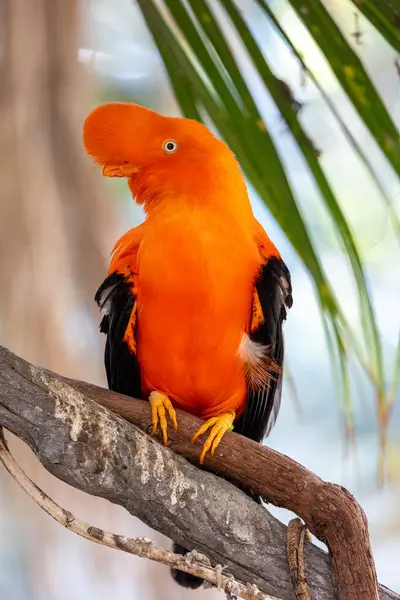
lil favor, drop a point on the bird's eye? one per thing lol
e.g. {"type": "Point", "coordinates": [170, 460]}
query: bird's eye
{"type": "Point", "coordinates": [170, 146]}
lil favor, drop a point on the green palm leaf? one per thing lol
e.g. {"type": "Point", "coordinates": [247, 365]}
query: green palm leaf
{"type": "Point", "coordinates": [384, 16]}
{"type": "Point", "coordinates": [355, 145]}
{"type": "Point", "coordinates": [352, 76]}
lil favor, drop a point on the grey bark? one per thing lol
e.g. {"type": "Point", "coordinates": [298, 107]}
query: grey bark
{"type": "Point", "coordinates": [96, 451]}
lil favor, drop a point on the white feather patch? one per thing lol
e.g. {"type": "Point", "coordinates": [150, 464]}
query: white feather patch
{"type": "Point", "coordinates": [259, 367]}
{"type": "Point", "coordinates": [284, 285]}
{"type": "Point", "coordinates": [105, 299]}
{"type": "Point", "coordinates": [251, 352]}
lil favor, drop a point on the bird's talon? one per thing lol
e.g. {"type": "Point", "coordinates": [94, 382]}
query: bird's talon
{"type": "Point", "coordinates": [159, 404]}
{"type": "Point", "coordinates": [219, 425]}
{"type": "Point", "coordinates": [204, 428]}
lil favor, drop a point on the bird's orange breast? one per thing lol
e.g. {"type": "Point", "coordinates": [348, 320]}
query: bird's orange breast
{"type": "Point", "coordinates": [196, 274]}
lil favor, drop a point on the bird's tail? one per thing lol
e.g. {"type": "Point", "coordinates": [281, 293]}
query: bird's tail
{"type": "Point", "coordinates": [184, 579]}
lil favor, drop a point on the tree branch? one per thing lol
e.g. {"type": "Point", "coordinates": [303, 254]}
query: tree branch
{"type": "Point", "coordinates": [94, 450]}
{"type": "Point", "coordinates": [194, 562]}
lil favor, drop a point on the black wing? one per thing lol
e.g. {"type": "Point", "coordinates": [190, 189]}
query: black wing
{"type": "Point", "coordinates": [274, 291]}
{"type": "Point", "coordinates": [116, 299]}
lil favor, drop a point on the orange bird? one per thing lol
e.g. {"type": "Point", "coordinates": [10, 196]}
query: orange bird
{"type": "Point", "coordinates": [195, 296]}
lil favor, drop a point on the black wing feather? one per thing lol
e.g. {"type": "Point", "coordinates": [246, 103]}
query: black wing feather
{"type": "Point", "coordinates": [275, 294]}
{"type": "Point", "coordinates": [116, 299]}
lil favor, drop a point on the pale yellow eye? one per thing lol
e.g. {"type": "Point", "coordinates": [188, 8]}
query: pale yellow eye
{"type": "Point", "coordinates": [170, 146]}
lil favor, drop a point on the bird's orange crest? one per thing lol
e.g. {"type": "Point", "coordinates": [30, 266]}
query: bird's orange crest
{"type": "Point", "coordinates": [164, 157]}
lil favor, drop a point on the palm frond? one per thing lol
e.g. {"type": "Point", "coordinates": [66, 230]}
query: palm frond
{"type": "Point", "coordinates": [352, 76]}
{"type": "Point", "coordinates": [384, 16]}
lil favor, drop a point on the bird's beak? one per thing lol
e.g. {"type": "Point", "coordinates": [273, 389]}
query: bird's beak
{"type": "Point", "coordinates": [114, 170]}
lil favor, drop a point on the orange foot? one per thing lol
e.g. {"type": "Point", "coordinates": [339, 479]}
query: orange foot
{"type": "Point", "coordinates": [219, 425]}
{"type": "Point", "coordinates": [159, 404]}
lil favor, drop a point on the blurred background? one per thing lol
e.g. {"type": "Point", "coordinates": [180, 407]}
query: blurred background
{"type": "Point", "coordinates": [317, 136]}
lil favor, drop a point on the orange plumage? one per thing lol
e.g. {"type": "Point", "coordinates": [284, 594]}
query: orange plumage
{"type": "Point", "coordinates": [196, 296]}
{"type": "Point", "coordinates": [192, 267]}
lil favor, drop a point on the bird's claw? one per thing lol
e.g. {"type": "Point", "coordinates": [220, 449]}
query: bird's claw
{"type": "Point", "coordinates": [219, 425]}
{"type": "Point", "coordinates": [160, 403]}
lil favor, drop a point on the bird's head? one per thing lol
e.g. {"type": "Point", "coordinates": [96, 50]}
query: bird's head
{"type": "Point", "coordinates": [162, 157]}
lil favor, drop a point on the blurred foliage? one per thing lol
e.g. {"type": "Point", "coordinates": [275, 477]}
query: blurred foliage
{"type": "Point", "coordinates": [210, 86]}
